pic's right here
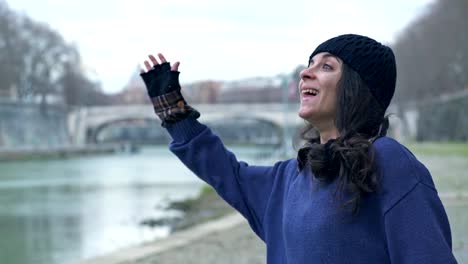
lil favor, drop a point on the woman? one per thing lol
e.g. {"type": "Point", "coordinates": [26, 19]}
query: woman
{"type": "Point", "coordinates": [352, 195]}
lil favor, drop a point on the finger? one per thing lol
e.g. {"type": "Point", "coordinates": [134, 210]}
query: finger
{"type": "Point", "coordinates": [142, 71]}
{"type": "Point", "coordinates": [147, 65]}
{"type": "Point", "coordinates": [153, 60]}
{"type": "Point", "coordinates": [175, 66]}
{"type": "Point", "coordinates": [161, 57]}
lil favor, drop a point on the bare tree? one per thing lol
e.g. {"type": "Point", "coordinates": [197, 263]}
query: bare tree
{"type": "Point", "coordinates": [432, 56]}
{"type": "Point", "coordinates": [36, 60]}
{"type": "Point", "coordinates": [78, 90]}
{"type": "Point", "coordinates": [10, 48]}
{"type": "Point", "coordinates": [44, 59]}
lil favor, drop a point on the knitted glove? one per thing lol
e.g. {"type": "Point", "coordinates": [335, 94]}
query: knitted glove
{"type": "Point", "coordinates": [163, 89]}
{"type": "Point", "coordinates": [161, 80]}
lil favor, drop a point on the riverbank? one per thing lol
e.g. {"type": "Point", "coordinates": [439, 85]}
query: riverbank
{"type": "Point", "coordinates": [18, 154]}
{"type": "Point", "coordinates": [205, 207]}
{"type": "Point", "coordinates": [225, 240]}
{"type": "Point", "coordinates": [229, 239]}
{"type": "Point", "coordinates": [210, 231]}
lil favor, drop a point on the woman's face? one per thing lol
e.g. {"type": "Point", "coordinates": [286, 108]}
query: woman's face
{"type": "Point", "coordinates": [318, 89]}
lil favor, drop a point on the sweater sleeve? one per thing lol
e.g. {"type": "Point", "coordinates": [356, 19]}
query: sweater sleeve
{"type": "Point", "coordinates": [418, 230]}
{"type": "Point", "coordinates": [246, 188]}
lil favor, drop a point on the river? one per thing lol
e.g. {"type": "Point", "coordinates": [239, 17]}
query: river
{"type": "Point", "coordinates": [65, 210]}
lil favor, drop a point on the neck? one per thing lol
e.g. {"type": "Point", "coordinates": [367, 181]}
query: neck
{"type": "Point", "coordinates": [328, 132]}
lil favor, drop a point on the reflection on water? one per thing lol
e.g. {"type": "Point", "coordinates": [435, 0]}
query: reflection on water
{"type": "Point", "coordinates": [60, 211]}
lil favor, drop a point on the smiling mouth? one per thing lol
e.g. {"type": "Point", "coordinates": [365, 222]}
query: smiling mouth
{"type": "Point", "coordinates": [310, 92]}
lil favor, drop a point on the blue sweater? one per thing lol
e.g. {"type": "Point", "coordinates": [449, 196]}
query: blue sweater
{"type": "Point", "coordinates": [302, 222]}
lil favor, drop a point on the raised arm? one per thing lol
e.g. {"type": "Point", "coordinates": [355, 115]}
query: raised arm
{"type": "Point", "coordinates": [247, 188]}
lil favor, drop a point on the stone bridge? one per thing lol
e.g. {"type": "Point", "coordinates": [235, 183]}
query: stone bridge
{"type": "Point", "coordinates": [85, 123]}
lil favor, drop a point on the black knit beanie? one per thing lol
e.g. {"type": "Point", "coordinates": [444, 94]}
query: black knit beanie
{"type": "Point", "coordinates": [374, 62]}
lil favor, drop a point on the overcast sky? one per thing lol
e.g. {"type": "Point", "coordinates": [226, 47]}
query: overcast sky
{"type": "Point", "coordinates": [213, 39]}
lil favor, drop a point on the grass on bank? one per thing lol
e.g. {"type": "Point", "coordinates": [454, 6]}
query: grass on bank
{"type": "Point", "coordinates": [447, 163]}
{"type": "Point", "coordinates": [440, 149]}
{"type": "Point", "coordinates": [206, 206]}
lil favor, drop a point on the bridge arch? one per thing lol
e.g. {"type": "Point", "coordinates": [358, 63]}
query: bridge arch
{"type": "Point", "coordinates": [246, 129]}
{"type": "Point", "coordinates": [95, 134]}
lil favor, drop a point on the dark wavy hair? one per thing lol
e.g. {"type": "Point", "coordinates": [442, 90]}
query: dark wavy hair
{"type": "Point", "coordinates": [349, 158]}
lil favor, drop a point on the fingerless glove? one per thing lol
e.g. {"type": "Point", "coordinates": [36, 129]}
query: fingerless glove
{"type": "Point", "coordinates": [163, 89]}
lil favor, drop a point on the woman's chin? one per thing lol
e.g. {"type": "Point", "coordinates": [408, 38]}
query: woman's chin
{"type": "Point", "coordinates": [305, 114]}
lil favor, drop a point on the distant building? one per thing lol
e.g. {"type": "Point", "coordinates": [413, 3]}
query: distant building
{"type": "Point", "coordinates": [252, 90]}
{"type": "Point", "coordinates": [134, 92]}
{"type": "Point", "coordinates": [204, 92]}
{"type": "Point", "coordinates": [247, 90]}
{"type": "Point", "coordinates": [10, 94]}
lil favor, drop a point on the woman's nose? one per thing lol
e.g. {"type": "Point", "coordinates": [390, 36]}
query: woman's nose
{"type": "Point", "coordinates": [307, 73]}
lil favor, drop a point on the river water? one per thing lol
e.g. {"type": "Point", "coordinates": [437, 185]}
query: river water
{"type": "Point", "coordinates": [62, 211]}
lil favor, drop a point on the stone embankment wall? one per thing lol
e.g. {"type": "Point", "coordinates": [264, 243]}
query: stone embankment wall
{"type": "Point", "coordinates": [28, 125]}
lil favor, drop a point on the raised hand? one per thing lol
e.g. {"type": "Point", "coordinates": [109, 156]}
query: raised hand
{"type": "Point", "coordinates": [162, 83]}
{"type": "Point", "coordinates": [161, 78]}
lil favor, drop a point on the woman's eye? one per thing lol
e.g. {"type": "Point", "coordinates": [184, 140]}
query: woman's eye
{"type": "Point", "coordinates": [327, 67]}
